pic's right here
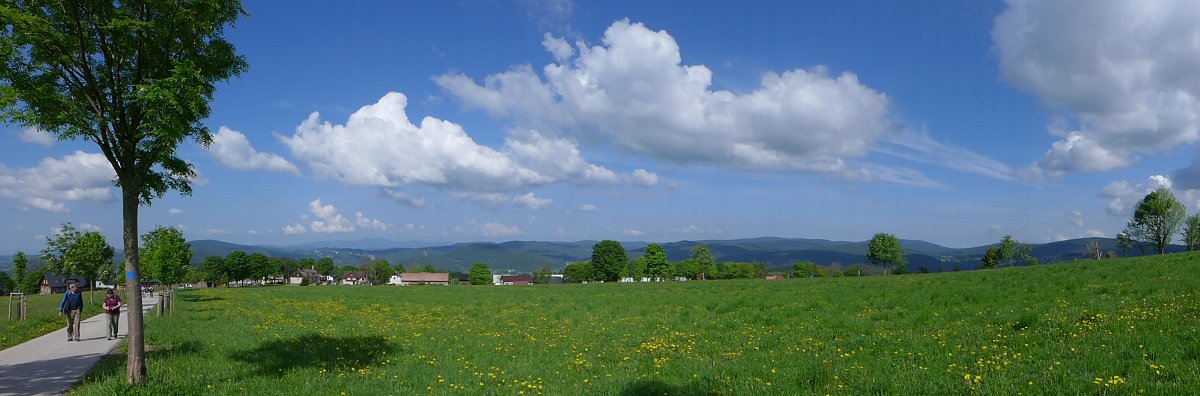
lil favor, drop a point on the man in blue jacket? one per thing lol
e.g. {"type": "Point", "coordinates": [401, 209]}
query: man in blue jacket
{"type": "Point", "coordinates": [72, 305]}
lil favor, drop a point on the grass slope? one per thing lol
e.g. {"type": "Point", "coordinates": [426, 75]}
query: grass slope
{"type": "Point", "coordinates": [1112, 327]}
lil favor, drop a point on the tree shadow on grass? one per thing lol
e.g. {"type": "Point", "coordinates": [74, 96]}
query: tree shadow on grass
{"type": "Point", "coordinates": [113, 364]}
{"type": "Point", "coordinates": [659, 388]}
{"type": "Point", "coordinates": [315, 350]}
{"type": "Point", "coordinates": [189, 297]}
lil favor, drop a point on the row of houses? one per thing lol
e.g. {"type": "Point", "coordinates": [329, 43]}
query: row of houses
{"type": "Point", "coordinates": [52, 283]}
{"type": "Point", "coordinates": [361, 278]}
{"type": "Point", "coordinates": [410, 279]}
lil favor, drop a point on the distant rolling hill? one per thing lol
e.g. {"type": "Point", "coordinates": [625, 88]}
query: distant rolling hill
{"type": "Point", "coordinates": [525, 256]}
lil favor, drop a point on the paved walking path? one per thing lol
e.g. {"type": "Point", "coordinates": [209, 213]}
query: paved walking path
{"type": "Point", "coordinates": [50, 365]}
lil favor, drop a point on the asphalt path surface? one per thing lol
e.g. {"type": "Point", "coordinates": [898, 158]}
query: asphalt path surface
{"type": "Point", "coordinates": [51, 365]}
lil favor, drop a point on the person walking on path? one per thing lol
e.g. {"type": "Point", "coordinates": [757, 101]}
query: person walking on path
{"type": "Point", "coordinates": [112, 307]}
{"type": "Point", "coordinates": [47, 366]}
{"type": "Point", "coordinates": [72, 305]}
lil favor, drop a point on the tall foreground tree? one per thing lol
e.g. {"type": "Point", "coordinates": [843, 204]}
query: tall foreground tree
{"type": "Point", "coordinates": [1157, 219]}
{"type": "Point", "coordinates": [884, 249]}
{"type": "Point", "coordinates": [135, 77]}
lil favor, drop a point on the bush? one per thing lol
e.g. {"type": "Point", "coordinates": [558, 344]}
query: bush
{"type": "Point", "coordinates": [304, 282]}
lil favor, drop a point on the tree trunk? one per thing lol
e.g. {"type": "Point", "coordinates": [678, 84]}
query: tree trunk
{"type": "Point", "coordinates": [135, 373]}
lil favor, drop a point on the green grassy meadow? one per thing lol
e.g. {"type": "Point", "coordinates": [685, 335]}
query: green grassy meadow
{"type": "Point", "coordinates": [41, 316]}
{"type": "Point", "coordinates": [1127, 326]}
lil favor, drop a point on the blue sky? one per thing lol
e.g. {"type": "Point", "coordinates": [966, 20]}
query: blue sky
{"type": "Point", "coordinates": [949, 121]}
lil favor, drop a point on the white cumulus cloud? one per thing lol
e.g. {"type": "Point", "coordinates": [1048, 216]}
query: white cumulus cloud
{"type": "Point", "coordinates": [561, 49]}
{"type": "Point", "coordinates": [379, 146]}
{"type": "Point", "coordinates": [633, 91]}
{"type": "Point", "coordinates": [531, 201]}
{"type": "Point", "coordinates": [325, 218]}
{"type": "Point", "coordinates": [365, 222]}
{"type": "Point", "coordinates": [1122, 71]}
{"type": "Point", "coordinates": [232, 149]}
{"type": "Point", "coordinates": [644, 178]}
{"type": "Point", "coordinates": [76, 177]}
{"type": "Point", "coordinates": [174, 211]}
{"type": "Point", "coordinates": [294, 228]}
{"type": "Point", "coordinates": [321, 211]}
{"type": "Point", "coordinates": [632, 232]}
{"type": "Point", "coordinates": [328, 219]}
{"type": "Point", "coordinates": [588, 208]}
